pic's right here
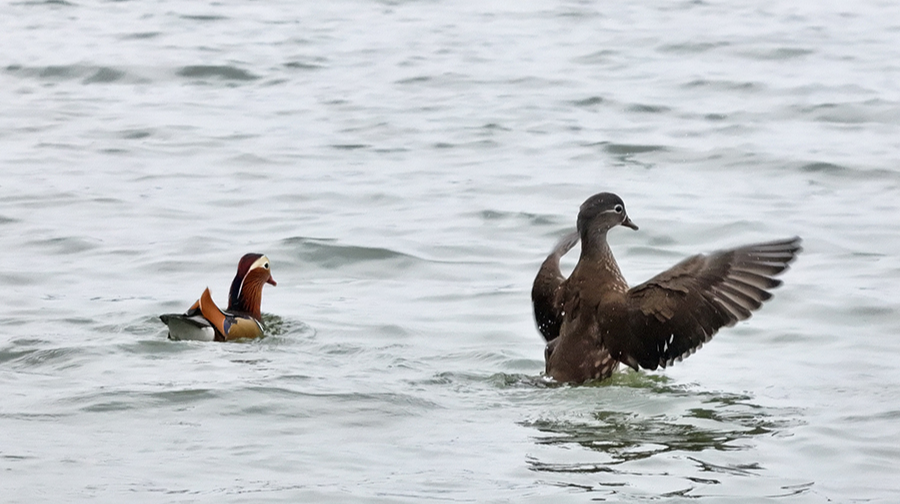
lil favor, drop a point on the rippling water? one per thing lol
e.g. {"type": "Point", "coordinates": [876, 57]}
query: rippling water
{"type": "Point", "coordinates": [406, 166]}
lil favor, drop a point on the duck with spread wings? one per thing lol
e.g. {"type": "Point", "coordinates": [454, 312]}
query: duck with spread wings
{"type": "Point", "coordinates": [592, 321]}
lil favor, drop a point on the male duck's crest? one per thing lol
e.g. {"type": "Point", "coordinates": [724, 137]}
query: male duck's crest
{"type": "Point", "coordinates": [206, 322]}
{"type": "Point", "coordinates": [592, 320]}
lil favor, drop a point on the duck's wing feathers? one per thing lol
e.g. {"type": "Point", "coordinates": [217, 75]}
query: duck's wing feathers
{"type": "Point", "coordinates": [676, 312]}
{"type": "Point", "coordinates": [229, 326]}
{"type": "Point", "coordinates": [545, 298]}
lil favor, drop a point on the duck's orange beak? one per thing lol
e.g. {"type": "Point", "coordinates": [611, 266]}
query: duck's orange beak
{"type": "Point", "coordinates": [271, 281]}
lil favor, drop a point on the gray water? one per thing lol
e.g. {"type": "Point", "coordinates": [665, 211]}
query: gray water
{"type": "Point", "coordinates": [406, 166]}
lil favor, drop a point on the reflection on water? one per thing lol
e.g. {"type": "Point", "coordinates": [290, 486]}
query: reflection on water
{"type": "Point", "coordinates": [669, 435]}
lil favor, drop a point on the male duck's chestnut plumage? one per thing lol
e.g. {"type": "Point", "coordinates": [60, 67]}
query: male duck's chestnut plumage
{"type": "Point", "coordinates": [206, 322]}
{"type": "Point", "coordinates": [592, 320]}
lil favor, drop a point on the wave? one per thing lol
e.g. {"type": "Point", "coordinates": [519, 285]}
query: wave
{"type": "Point", "coordinates": [225, 72]}
{"type": "Point", "coordinates": [329, 254]}
{"type": "Point", "coordinates": [103, 74]}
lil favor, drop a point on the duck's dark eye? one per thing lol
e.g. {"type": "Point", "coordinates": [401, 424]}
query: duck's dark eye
{"type": "Point", "coordinates": [619, 208]}
{"type": "Point", "coordinates": [266, 265]}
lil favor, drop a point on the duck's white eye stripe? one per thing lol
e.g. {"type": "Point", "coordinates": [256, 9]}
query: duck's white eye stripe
{"type": "Point", "coordinates": [262, 262]}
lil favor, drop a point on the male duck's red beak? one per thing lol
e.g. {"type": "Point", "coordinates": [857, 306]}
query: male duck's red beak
{"type": "Point", "coordinates": [271, 281]}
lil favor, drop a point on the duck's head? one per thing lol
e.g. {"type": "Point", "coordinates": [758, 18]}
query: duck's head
{"type": "Point", "coordinates": [254, 271]}
{"type": "Point", "coordinates": [602, 212]}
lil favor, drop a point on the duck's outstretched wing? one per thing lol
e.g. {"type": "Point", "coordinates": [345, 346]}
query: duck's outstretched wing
{"type": "Point", "coordinates": [676, 312]}
{"type": "Point", "coordinates": [547, 302]}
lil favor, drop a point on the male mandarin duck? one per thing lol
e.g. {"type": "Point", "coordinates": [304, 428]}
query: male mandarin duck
{"type": "Point", "coordinates": [592, 321]}
{"type": "Point", "coordinates": [204, 320]}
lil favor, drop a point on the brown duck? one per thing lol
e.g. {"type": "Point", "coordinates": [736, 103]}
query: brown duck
{"type": "Point", "coordinates": [592, 321]}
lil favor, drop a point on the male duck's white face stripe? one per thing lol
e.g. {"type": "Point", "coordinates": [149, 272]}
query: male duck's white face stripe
{"type": "Point", "coordinates": [262, 262]}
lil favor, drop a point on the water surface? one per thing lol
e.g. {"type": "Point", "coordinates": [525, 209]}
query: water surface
{"type": "Point", "coordinates": [406, 166]}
